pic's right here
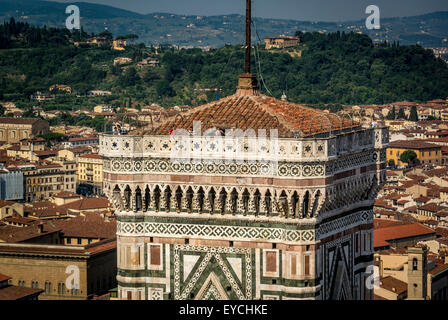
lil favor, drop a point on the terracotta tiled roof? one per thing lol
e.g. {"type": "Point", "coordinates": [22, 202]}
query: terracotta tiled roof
{"type": "Point", "coordinates": [4, 203]}
{"type": "Point", "coordinates": [88, 226]}
{"type": "Point", "coordinates": [4, 277]}
{"type": "Point", "coordinates": [17, 218]}
{"type": "Point", "coordinates": [66, 194]}
{"type": "Point", "coordinates": [383, 235]}
{"type": "Point", "coordinates": [254, 112]}
{"type": "Point", "coordinates": [438, 269]}
{"type": "Point", "coordinates": [384, 223]}
{"type": "Point", "coordinates": [432, 207]}
{"type": "Point", "coordinates": [394, 285]}
{"type": "Point", "coordinates": [18, 293]}
{"type": "Point", "coordinates": [18, 120]}
{"type": "Point", "coordinates": [91, 156]}
{"type": "Point", "coordinates": [18, 234]}
{"type": "Point", "coordinates": [412, 144]}
{"type": "Point", "coordinates": [91, 249]}
{"type": "Point", "coordinates": [88, 204]}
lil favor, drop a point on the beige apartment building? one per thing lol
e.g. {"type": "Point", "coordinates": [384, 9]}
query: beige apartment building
{"type": "Point", "coordinates": [44, 180]}
{"type": "Point", "coordinates": [12, 130]}
{"type": "Point", "coordinates": [44, 266]}
{"type": "Point", "coordinates": [90, 174]}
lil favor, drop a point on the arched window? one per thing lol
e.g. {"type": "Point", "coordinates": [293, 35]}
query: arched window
{"type": "Point", "coordinates": [414, 264]}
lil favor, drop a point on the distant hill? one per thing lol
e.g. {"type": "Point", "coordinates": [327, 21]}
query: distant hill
{"type": "Point", "coordinates": [429, 30]}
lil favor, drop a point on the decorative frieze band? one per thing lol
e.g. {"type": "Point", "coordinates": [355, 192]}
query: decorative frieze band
{"type": "Point", "coordinates": [213, 232]}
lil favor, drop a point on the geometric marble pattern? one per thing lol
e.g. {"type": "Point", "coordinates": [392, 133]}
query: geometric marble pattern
{"type": "Point", "coordinates": [152, 229]}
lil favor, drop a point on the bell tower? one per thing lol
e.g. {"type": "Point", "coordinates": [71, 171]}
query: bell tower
{"type": "Point", "coordinates": [417, 273]}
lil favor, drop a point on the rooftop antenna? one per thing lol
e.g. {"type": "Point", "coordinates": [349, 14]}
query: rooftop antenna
{"type": "Point", "coordinates": [247, 83]}
{"type": "Point", "coordinates": [248, 35]}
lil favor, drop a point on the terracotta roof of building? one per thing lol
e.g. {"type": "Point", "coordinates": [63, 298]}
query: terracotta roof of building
{"type": "Point", "coordinates": [66, 194]}
{"type": "Point", "coordinates": [383, 235]}
{"type": "Point", "coordinates": [18, 219]}
{"type": "Point", "coordinates": [4, 203]}
{"type": "Point", "coordinates": [4, 277]}
{"type": "Point", "coordinates": [12, 234]}
{"type": "Point", "coordinates": [384, 223]}
{"type": "Point", "coordinates": [91, 156]}
{"type": "Point", "coordinates": [88, 250]}
{"type": "Point", "coordinates": [88, 204]}
{"type": "Point", "coordinates": [45, 209]}
{"type": "Point", "coordinates": [18, 120]}
{"type": "Point", "coordinates": [412, 144]}
{"type": "Point", "coordinates": [17, 292]}
{"type": "Point", "coordinates": [442, 232]}
{"type": "Point", "coordinates": [438, 269]}
{"type": "Point", "coordinates": [392, 284]}
{"type": "Point", "coordinates": [432, 207]}
{"type": "Point", "coordinates": [422, 199]}
{"type": "Point", "coordinates": [88, 226]}
{"type": "Point", "coordinates": [254, 112]}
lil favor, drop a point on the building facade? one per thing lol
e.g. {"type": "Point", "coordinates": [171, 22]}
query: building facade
{"type": "Point", "coordinates": [90, 174]}
{"type": "Point", "coordinates": [12, 130]}
{"type": "Point", "coordinates": [281, 42]}
{"type": "Point", "coordinates": [427, 153]}
{"type": "Point", "coordinates": [225, 223]}
{"type": "Point", "coordinates": [47, 267]}
{"type": "Point", "coordinates": [42, 181]}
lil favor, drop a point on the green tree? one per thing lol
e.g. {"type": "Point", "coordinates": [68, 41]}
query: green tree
{"type": "Point", "coordinates": [391, 115]}
{"type": "Point", "coordinates": [391, 163]}
{"type": "Point", "coordinates": [401, 114]}
{"type": "Point", "coordinates": [413, 116]}
{"type": "Point", "coordinates": [408, 157]}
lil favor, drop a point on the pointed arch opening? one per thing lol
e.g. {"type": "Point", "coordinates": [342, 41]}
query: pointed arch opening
{"type": "Point", "coordinates": [147, 198]}
{"type": "Point", "coordinates": [178, 196]}
{"type": "Point", "coordinates": [246, 197]}
{"type": "Point", "coordinates": [222, 201]}
{"type": "Point", "coordinates": [257, 198]}
{"type": "Point", "coordinates": [234, 201]}
{"type": "Point", "coordinates": [306, 204]}
{"type": "Point", "coordinates": [167, 196]}
{"type": "Point", "coordinates": [315, 204]}
{"type": "Point", "coordinates": [212, 200]}
{"type": "Point", "coordinates": [284, 204]}
{"type": "Point", "coordinates": [295, 205]}
{"type": "Point", "coordinates": [127, 196]}
{"type": "Point", "coordinates": [157, 199]}
{"type": "Point", "coordinates": [200, 199]}
{"type": "Point", "coordinates": [138, 199]}
{"type": "Point", "coordinates": [189, 199]}
{"type": "Point", "coordinates": [268, 202]}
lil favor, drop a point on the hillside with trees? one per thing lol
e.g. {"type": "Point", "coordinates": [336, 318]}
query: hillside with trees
{"type": "Point", "coordinates": [335, 68]}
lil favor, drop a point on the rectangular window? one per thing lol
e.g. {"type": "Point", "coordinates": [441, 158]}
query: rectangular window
{"type": "Point", "coordinates": [155, 255]}
{"type": "Point", "coordinates": [357, 243]}
{"type": "Point", "coordinates": [129, 295]}
{"type": "Point", "coordinates": [307, 265]}
{"type": "Point", "coordinates": [293, 265]}
{"type": "Point", "coordinates": [271, 261]}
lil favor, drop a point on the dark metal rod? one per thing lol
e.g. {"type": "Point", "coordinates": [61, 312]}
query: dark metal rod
{"type": "Point", "coordinates": [248, 34]}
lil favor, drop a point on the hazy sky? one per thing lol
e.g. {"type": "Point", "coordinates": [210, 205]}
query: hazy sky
{"type": "Point", "coordinates": [310, 10]}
